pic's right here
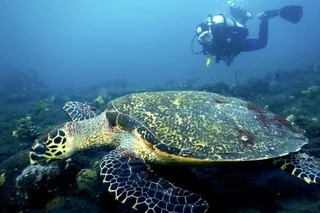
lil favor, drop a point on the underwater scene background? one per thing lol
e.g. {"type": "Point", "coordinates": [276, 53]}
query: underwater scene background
{"type": "Point", "coordinates": [52, 52]}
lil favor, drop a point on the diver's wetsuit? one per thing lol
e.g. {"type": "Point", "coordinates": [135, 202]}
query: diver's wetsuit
{"type": "Point", "coordinates": [230, 41]}
{"type": "Point", "coordinates": [241, 43]}
{"type": "Point", "coordinates": [251, 44]}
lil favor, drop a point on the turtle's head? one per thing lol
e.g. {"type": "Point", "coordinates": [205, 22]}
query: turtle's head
{"type": "Point", "coordinates": [51, 146]}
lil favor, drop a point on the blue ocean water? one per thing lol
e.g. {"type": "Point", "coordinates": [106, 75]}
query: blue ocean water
{"type": "Point", "coordinates": [79, 43]}
{"type": "Point", "coordinates": [94, 51]}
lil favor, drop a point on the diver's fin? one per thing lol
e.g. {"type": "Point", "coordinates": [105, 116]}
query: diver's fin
{"type": "Point", "coordinates": [291, 13]}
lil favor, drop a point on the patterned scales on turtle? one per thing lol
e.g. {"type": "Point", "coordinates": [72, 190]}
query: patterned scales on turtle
{"type": "Point", "coordinates": [187, 128]}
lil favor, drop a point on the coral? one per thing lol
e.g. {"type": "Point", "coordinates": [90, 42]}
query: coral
{"type": "Point", "coordinates": [291, 118]}
{"type": "Point", "coordinates": [43, 105]}
{"type": "Point", "coordinates": [25, 129]}
{"type": "Point", "coordinates": [312, 92]}
{"type": "Point", "coordinates": [15, 133]}
{"type": "Point", "coordinates": [2, 178]}
{"type": "Point", "coordinates": [99, 100]}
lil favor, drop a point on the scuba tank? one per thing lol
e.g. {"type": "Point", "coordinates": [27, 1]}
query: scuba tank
{"type": "Point", "coordinates": [227, 35]}
{"type": "Point", "coordinates": [224, 28]}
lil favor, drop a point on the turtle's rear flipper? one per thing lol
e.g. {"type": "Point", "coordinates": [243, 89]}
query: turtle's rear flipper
{"type": "Point", "coordinates": [301, 165]}
{"type": "Point", "coordinates": [131, 182]}
{"type": "Point", "coordinates": [79, 111]}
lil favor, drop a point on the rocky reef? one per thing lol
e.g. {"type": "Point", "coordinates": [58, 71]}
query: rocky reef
{"type": "Point", "coordinates": [74, 185]}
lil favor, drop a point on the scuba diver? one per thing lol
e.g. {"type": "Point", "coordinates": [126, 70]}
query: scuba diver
{"type": "Point", "coordinates": [225, 38]}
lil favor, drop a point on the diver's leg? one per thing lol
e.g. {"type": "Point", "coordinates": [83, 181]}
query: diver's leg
{"type": "Point", "coordinates": [264, 16]}
{"type": "Point", "coordinates": [291, 13]}
{"type": "Point", "coordinates": [256, 44]}
{"type": "Point", "coordinates": [240, 15]}
{"type": "Point", "coordinates": [263, 34]}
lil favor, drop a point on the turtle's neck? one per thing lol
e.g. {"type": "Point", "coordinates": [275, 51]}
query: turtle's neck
{"type": "Point", "coordinates": [91, 133]}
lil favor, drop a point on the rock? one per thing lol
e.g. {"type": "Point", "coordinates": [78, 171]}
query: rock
{"type": "Point", "coordinates": [88, 182]}
{"type": "Point", "coordinates": [72, 204]}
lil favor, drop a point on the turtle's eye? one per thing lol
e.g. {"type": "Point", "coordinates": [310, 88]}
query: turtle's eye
{"type": "Point", "coordinates": [39, 145]}
{"type": "Point", "coordinates": [39, 149]}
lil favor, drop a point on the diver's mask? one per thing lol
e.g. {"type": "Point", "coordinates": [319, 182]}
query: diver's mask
{"type": "Point", "coordinates": [205, 37]}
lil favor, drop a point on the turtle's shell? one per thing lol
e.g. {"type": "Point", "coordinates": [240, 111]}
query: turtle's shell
{"type": "Point", "coordinates": [205, 126]}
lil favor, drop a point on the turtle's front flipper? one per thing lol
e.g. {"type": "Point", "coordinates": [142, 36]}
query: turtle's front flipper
{"type": "Point", "coordinates": [131, 182]}
{"type": "Point", "coordinates": [79, 111]}
{"type": "Point", "coordinates": [301, 165]}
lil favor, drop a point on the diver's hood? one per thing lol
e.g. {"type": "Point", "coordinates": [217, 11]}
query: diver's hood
{"type": "Point", "coordinates": [204, 33]}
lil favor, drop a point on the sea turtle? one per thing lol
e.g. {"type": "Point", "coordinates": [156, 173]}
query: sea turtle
{"type": "Point", "coordinates": [189, 128]}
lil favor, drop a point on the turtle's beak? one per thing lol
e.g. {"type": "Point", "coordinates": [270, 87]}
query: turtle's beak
{"type": "Point", "coordinates": [49, 147]}
{"type": "Point", "coordinates": [34, 158]}
{"type": "Point", "coordinates": [36, 154]}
